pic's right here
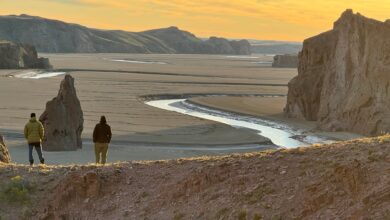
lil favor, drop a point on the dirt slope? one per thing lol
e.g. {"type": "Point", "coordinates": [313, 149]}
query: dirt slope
{"type": "Point", "coordinates": [346, 180]}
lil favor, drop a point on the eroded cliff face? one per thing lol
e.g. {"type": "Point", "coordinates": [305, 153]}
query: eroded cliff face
{"type": "Point", "coordinates": [344, 76]}
{"type": "Point", "coordinates": [63, 119]}
{"type": "Point", "coordinates": [19, 56]}
{"type": "Point", "coordinates": [4, 154]}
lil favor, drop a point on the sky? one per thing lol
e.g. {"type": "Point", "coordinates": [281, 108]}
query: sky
{"type": "Point", "coordinates": [290, 20]}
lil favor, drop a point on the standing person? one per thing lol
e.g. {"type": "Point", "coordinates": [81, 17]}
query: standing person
{"type": "Point", "coordinates": [33, 132]}
{"type": "Point", "coordinates": [101, 137]}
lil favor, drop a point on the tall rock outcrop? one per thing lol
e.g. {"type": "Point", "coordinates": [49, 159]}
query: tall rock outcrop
{"type": "Point", "coordinates": [20, 56]}
{"type": "Point", "coordinates": [63, 119]}
{"type": "Point", "coordinates": [285, 61]}
{"type": "Point", "coordinates": [4, 154]}
{"type": "Point", "coordinates": [344, 77]}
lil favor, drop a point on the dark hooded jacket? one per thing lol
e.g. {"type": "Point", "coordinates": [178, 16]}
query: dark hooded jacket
{"type": "Point", "coordinates": [102, 133]}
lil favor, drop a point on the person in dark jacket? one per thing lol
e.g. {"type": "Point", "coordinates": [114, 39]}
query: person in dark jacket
{"type": "Point", "coordinates": [101, 137]}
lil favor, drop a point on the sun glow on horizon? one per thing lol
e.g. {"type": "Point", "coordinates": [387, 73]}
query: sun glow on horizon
{"type": "Point", "coordinates": [292, 20]}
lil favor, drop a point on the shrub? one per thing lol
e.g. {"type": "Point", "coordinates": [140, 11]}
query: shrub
{"type": "Point", "coordinates": [242, 215]}
{"type": "Point", "coordinates": [17, 190]}
{"type": "Point", "coordinates": [221, 213]}
{"type": "Point", "coordinates": [178, 216]}
{"type": "Point", "coordinates": [257, 217]}
{"type": "Point", "coordinates": [258, 193]}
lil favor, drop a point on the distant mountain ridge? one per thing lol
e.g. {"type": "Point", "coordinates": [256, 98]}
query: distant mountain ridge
{"type": "Point", "coordinates": [53, 36]}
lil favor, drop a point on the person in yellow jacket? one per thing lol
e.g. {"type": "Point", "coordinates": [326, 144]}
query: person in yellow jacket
{"type": "Point", "coordinates": [33, 132]}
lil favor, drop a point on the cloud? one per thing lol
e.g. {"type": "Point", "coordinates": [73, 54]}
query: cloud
{"type": "Point", "coordinates": [86, 3]}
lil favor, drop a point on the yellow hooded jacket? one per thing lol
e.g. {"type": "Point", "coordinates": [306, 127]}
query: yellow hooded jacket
{"type": "Point", "coordinates": [33, 131]}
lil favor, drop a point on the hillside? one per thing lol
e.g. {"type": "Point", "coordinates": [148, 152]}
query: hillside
{"type": "Point", "coordinates": [54, 36]}
{"type": "Point", "coordinates": [345, 180]}
{"type": "Point", "coordinates": [275, 47]}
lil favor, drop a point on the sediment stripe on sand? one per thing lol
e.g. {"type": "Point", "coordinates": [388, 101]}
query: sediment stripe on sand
{"type": "Point", "coordinates": [168, 74]}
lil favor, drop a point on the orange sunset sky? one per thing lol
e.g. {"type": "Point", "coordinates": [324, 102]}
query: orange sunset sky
{"type": "Point", "coordinates": [292, 20]}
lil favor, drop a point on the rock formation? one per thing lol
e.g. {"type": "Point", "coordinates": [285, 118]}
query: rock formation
{"type": "Point", "coordinates": [285, 61]}
{"type": "Point", "coordinates": [344, 77]}
{"type": "Point", "coordinates": [63, 119]}
{"type": "Point", "coordinates": [4, 154]}
{"type": "Point", "coordinates": [54, 36]}
{"type": "Point", "coordinates": [17, 56]}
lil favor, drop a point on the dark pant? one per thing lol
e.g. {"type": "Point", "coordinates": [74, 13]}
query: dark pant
{"type": "Point", "coordinates": [38, 148]}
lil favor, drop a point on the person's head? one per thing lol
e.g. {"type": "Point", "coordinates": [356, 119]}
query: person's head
{"type": "Point", "coordinates": [103, 119]}
{"type": "Point", "coordinates": [32, 115]}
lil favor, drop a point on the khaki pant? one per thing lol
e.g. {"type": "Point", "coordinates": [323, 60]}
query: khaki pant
{"type": "Point", "coordinates": [101, 152]}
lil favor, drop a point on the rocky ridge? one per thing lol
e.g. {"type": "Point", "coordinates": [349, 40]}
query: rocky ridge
{"type": "Point", "coordinates": [63, 119]}
{"type": "Point", "coordinates": [54, 36]}
{"type": "Point", "coordinates": [344, 77]}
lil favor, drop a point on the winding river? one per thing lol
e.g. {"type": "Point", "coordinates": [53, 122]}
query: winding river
{"type": "Point", "coordinates": [281, 135]}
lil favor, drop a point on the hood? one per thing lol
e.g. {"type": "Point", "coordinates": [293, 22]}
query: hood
{"type": "Point", "coordinates": [103, 120]}
{"type": "Point", "coordinates": [33, 119]}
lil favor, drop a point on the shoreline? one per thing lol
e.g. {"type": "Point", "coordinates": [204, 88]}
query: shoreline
{"type": "Point", "coordinates": [127, 152]}
{"type": "Point", "coordinates": [281, 134]}
{"type": "Point", "coordinates": [223, 109]}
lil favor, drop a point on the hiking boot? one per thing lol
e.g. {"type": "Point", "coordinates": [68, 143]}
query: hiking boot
{"type": "Point", "coordinates": [43, 161]}
{"type": "Point", "coordinates": [31, 162]}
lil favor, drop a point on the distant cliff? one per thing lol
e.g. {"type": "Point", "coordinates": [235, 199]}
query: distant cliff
{"type": "Point", "coordinates": [275, 47]}
{"type": "Point", "coordinates": [18, 56]}
{"type": "Point", "coordinates": [54, 36]}
{"type": "Point", "coordinates": [343, 77]}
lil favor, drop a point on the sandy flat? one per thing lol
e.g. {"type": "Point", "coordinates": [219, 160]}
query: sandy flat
{"type": "Point", "coordinates": [114, 89]}
{"type": "Point", "coordinates": [270, 108]}
{"type": "Point", "coordinates": [256, 106]}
